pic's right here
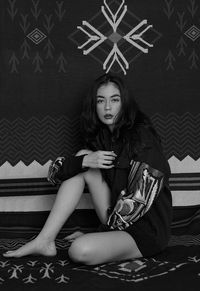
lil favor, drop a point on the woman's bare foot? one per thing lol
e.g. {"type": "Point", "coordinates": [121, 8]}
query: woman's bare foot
{"type": "Point", "coordinates": [34, 247]}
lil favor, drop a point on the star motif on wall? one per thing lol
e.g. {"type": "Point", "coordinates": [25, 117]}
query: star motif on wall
{"type": "Point", "coordinates": [117, 37]}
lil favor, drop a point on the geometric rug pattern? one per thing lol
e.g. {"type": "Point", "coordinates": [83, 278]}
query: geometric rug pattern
{"type": "Point", "coordinates": [177, 266]}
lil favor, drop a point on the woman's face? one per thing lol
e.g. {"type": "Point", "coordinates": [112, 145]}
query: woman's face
{"type": "Point", "coordinates": [108, 104]}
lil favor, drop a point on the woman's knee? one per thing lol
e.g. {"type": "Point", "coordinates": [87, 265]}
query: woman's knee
{"type": "Point", "coordinates": [80, 251]}
{"type": "Point", "coordinates": [93, 175]}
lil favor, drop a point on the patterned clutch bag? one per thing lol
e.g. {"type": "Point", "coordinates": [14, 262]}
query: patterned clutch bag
{"type": "Point", "coordinates": [54, 170]}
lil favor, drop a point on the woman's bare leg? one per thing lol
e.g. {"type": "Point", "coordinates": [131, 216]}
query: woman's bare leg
{"type": "Point", "coordinates": [66, 201]}
{"type": "Point", "coordinates": [103, 247]}
{"type": "Point", "coordinates": [100, 193]}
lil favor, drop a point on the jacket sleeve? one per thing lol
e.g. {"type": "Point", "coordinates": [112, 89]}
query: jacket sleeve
{"type": "Point", "coordinates": [147, 176]}
{"type": "Point", "coordinates": [64, 168]}
{"type": "Point", "coordinates": [144, 185]}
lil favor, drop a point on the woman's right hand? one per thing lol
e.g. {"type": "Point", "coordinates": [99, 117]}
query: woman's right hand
{"type": "Point", "coordinates": [99, 159]}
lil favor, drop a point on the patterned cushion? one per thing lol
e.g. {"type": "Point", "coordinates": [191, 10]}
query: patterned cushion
{"type": "Point", "coordinates": [186, 202]}
{"type": "Point", "coordinates": [27, 202]}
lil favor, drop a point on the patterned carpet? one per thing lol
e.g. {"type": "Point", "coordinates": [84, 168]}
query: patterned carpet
{"type": "Point", "coordinates": [178, 268]}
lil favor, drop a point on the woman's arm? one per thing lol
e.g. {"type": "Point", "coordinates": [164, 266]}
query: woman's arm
{"type": "Point", "coordinates": [148, 176]}
{"type": "Point", "coordinates": [144, 185]}
{"type": "Point", "coordinates": [66, 167]}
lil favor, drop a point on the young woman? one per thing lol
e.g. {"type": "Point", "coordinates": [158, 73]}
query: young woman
{"type": "Point", "coordinates": [123, 165]}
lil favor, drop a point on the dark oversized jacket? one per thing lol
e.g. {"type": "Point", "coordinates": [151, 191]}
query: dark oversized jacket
{"type": "Point", "coordinates": [149, 214]}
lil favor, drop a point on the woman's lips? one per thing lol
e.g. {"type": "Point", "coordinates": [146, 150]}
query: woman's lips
{"type": "Point", "coordinates": [108, 116]}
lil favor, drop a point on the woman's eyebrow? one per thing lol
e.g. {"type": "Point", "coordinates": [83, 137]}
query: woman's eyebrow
{"type": "Point", "coordinates": [115, 95]}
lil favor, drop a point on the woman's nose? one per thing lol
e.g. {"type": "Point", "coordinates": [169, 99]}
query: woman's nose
{"type": "Point", "coordinates": [107, 105]}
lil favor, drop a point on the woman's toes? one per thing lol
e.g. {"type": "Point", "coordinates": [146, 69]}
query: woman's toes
{"type": "Point", "coordinates": [34, 248]}
{"type": "Point", "coordinates": [10, 254]}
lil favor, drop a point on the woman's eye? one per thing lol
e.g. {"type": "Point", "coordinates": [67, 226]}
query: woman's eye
{"type": "Point", "coordinates": [99, 101]}
{"type": "Point", "coordinates": [115, 99]}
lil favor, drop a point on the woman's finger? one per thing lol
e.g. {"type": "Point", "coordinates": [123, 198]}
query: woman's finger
{"type": "Point", "coordinates": [106, 166]}
{"type": "Point", "coordinates": [109, 158]}
{"type": "Point", "coordinates": [106, 162]}
{"type": "Point", "coordinates": [108, 153]}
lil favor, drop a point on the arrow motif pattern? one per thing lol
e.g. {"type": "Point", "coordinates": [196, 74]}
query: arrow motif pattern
{"type": "Point", "coordinates": [185, 20]}
{"type": "Point", "coordinates": [36, 41]}
{"type": "Point", "coordinates": [12, 10]}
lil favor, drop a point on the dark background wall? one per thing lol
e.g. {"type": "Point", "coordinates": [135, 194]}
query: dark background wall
{"type": "Point", "coordinates": [44, 76]}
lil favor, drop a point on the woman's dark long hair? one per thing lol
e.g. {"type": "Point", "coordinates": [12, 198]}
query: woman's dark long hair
{"type": "Point", "coordinates": [129, 119]}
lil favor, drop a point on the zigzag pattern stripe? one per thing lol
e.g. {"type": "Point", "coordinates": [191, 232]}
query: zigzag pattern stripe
{"type": "Point", "coordinates": [37, 139]}
{"type": "Point", "coordinates": [180, 134]}
{"type": "Point", "coordinates": [44, 139]}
